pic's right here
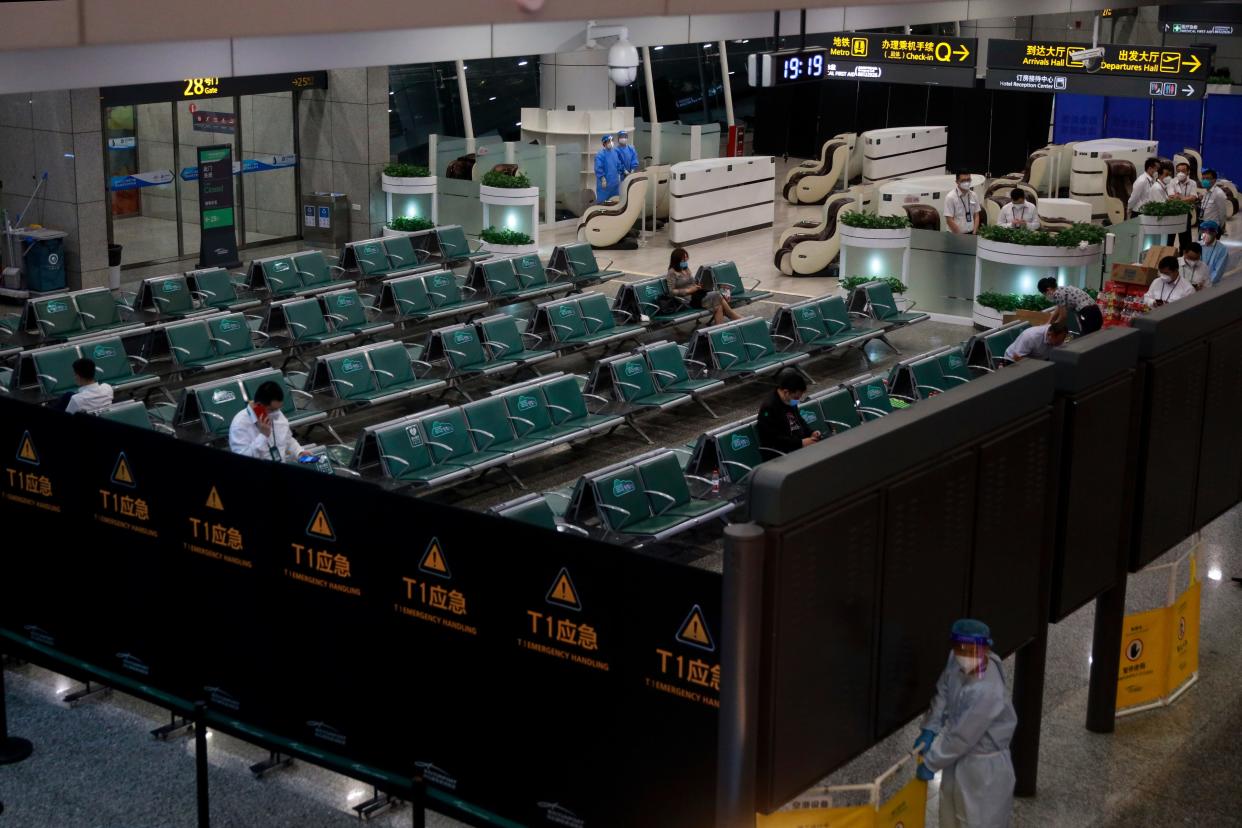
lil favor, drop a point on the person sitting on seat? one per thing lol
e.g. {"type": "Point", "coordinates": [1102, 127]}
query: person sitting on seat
{"type": "Point", "coordinates": [1170, 286]}
{"type": "Point", "coordinates": [90, 396]}
{"type": "Point", "coordinates": [1192, 267]}
{"type": "Point", "coordinates": [780, 426]}
{"type": "Point", "coordinates": [261, 431]}
{"type": "Point", "coordinates": [1037, 342]}
{"type": "Point", "coordinates": [1017, 213]}
{"type": "Point", "coordinates": [681, 283]}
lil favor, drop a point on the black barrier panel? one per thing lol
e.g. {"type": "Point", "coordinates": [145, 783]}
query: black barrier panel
{"type": "Point", "coordinates": [925, 573]}
{"type": "Point", "coordinates": [1095, 429]}
{"type": "Point", "coordinates": [222, 541]}
{"type": "Point", "coordinates": [1011, 537]}
{"type": "Point", "coordinates": [1220, 459]}
{"type": "Point", "coordinates": [38, 480]}
{"type": "Point", "coordinates": [129, 482]}
{"type": "Point", "coordinates": [1169, 451]}
{"type": "Point", "coordinates": [822, 577]}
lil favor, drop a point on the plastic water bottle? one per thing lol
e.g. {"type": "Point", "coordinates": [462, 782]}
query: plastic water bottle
{"type": "Point", "coordinates": [715, 481]}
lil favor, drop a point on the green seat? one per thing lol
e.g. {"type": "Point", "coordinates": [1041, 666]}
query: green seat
{"type": "Point", "coordinates": [492, 430]}
{"type": "Point", "coordinates": [113, 365]}
{"type": "Point", "coordinates": [530, 271]}
{"type": "Point", "coordinates": [464, 349]}
{"type": "Point", "coordinates": [219, 403]}
{"type": "Point", "coordinates": [668, 366]}
{"type": "Point", "coordinates": [649, 292]}
{"type": "Point", "coordinates": [57, 316]}
{"type": "Point", "coordinates": [666, 487]}
{"type": "Point", "coordinates": [351, 378]}
{"type": "Point", "coordinates": [444, 290]}
{"type": "Point", "coordinates": [393, 370]}
{"type": "Point", "coordinates": [400, 253]}
{"type": "Point", "coordinates": [839, 410]}
{"type": "Point", "coordinates": [54, 369]}
{"type": "Point", "coordinates": [836, 318]}
{"type": "Point", "coordinates": [636, 386]}
{"type": "Point", "coordinates": [760, 349]}
{"type": "Point", "coordinates": [131, 413]}
{"type": "Point", "coordinates": [884, 307]}
{"type": "Point", "coordinates": [809, 325]}
{"type": "Point", "coordinates": [506, 343]}
{"type": "Point", "coordinates": [501, 280]}
{"type": "Point", "coordinates": [349, 314]}
{"type": "Point", "coordinates": [928, 377]}
{"type": "Point", "coordinates": [738, 452]}
{"type": "Point", "coordinates": [727, 348]}
{"type": "Point", "coordinates": [1000, 341]}
{"type": "Point", "coordinates": [405, 456]}
{"type": "Point", "coordinates": [566, 323]}
{"type": "Point", "coordinates": [281, 276]}
{"type": "Point", "coordinates": [231, 335]}
{"type": "Point", "coordinates": [314, 271]}
{"type": "Point", "coordinates": [953, 368]}
{"type": "Point", "coordinates": [568, 407]}
{"type": "Point", "coordinates": [581, 265]}
{"type": "Point", "coordinates": [407, 297]}
{"type": "Point", "coordinates": [99, 310]}
{"type": "Point", "coordinates": [598, 316]}
{"type": "Point", "coordinates": [190, 344]}
{"type": "Point", "coordinates": [725, 274]}
{"type": "Point", "coordinates": [531, 417]}
{"type": "Point", "coordinates": [533, 511]}
{"type": "Point", "coordinates": [812, 413]}
{"type": "Point", "coordinates": [623, 505]}
{"type": "Point", "coordinates": [372, 258]}
{"type": "Point", "coordinates": [307, 323]}
{"type": "Point", "coordinates": [449, 439]}
{"type": "Point", "coordinates": [215, 289]}
{"type": "Point", "coordinates": [170, 296]}
{"type": "Point", "coordinates": [454, 246]}
{"type": "Point", "coordinates": [872, 398]}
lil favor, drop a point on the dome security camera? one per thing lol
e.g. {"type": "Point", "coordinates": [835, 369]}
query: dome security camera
{"type": "Point", "coordinates": [622, 62]}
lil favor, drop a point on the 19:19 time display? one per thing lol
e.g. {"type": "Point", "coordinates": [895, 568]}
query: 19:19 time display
{"type": "Point", "coordinates": [796, 67]}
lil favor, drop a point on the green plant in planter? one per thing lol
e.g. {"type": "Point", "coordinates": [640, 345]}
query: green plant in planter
{"type": "Point", "coordinates": [410, 224]}
{"type": "Point", "coordinates": [866, 221]}
{"type": "Point", "coordinates": [505, 181]}
{"type": "Point", "coordinates": [894, 284]}
{"type": "Point", "coordinates": [1071, 236]}
{"type": "Point", "coordinates": [1010, 302]}
{"type": "Point", "coordinates": [1166, 208]}
{"type": "Point", "coordinates": [1075, 234]}
{"type": "Point", "coordinates": [511, 238]}
{"type": "Point", "coordinates": [406, 171]}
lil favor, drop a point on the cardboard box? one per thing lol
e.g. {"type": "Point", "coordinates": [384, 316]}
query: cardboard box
{"type": "Point", "coordinates": [1133, 274]}
{"type": "Point", "coordinates": [1153, 255]}
{"type": "Point", "coordinates": [1034, 317]}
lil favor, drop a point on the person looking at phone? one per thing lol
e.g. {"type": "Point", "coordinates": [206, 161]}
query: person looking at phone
{"type": "Point", "coordinates": [780, 426]}
{"type": "Point", "coordinates": [259, 430]}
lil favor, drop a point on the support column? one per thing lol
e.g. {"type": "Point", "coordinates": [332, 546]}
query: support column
{"type": "Point", "coordinates": [463, 94]}
{"type": "Point", "coordinates": [744, 550]}
{"type": "Point", "coordinates": [653, 115]}
{"type": "Point", "coordinates": [1110, 614]}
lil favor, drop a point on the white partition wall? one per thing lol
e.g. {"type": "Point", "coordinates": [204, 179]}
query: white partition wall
{"type": "Point", "coordinates": [903, 152]}
{"type": "Point", "coordinates": [715, 197]}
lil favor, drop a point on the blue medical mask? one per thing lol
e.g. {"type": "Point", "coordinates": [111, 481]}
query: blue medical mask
{"type": "Point", "coordinates": [683, 264]}
{"type": "Point", "coordinates": [1206, 182]}
{"type": "Point", "coordinates": [794, 403]}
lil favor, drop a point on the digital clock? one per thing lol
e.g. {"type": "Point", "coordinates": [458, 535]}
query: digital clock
{"type": "Point", "coordinates": [803, 66]}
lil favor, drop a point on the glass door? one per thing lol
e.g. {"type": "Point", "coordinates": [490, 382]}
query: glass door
{"type": "Point", "coordinates": [141, 181]}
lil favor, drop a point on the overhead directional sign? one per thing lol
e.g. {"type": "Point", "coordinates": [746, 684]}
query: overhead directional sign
{"type": "Point", "coordinates": [1128, 71]}
{"type": "Point", "coordinates": [865, 56]}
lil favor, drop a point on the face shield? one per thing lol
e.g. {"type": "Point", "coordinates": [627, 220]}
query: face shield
{"type": "Point", "coordinates": [971, 648]}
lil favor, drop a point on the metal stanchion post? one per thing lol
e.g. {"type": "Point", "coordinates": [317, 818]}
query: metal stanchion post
{"type": "Point", "coordinates": [739, 686]}
{"type": "Point", "coordinates": [12, 748]}
{"type": "Point", "coordinates": [200, 763]}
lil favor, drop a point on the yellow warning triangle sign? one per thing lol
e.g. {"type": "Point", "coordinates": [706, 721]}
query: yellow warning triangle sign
{"type": "Point", "coordinates": [694, 631]}
{"type": "Point", "coordinates": [214, 501]}
{"type": "Point", "coordinates": [563, 592]}
{"type": "Point", "coordinates": [320, 526]}
{"type": "Point", "coordinates": [121, 472]}
{"type": "Point", "coordinates": [433, 562]}
{"type": "Point", "coordinates": [26, 450]}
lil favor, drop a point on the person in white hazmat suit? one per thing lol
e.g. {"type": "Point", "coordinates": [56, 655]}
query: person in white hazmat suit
{"type": "Point", "coordinates": [966, 734]}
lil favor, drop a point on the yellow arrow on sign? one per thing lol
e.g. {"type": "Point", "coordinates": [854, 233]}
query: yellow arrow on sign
{"type": "Point", "coordinates": [1196, 65]}
{"type": "Point", "coordinates": [962, 53]}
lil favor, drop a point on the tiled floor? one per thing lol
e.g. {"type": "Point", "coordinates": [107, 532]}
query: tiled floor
{"type": "Point", "coordinates": [148, 239]}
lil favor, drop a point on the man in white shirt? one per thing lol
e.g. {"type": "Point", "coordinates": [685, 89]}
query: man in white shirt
{"type": "Point", "coordinates": [261, 431]}
{"type": "Point", "coordinates": [1192, 268]}
{"type": "Point", "coordinates": [1213, 206]}
{"type": "Point", "coordinates": [961, 208]}
{"type": "Point", "coordinates": [1017, 213]}
{"type": "Point", "coordinates": [1140, 193]}
{"type": "Point", "coordinates": [1169, 287]}
{"type": "Point", "coordinates": [91, 395]}
{"type": "Point", "coordinates": [1037, 342]}
{"type": "Point", "coordinates": [1184, 188]}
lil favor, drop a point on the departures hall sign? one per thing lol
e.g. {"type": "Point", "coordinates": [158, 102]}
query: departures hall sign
{"type": "Point", "coordinates": [1124, 70]}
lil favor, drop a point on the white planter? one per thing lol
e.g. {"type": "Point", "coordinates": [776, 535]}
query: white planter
{"type": "Point", "coordinates": [509, 249]}
{"type": "Point", "coordinates": [509, 196]}
{"type": "Point", "coordinates": [388, 231]}
{"type": "Point", "coordinates": [987, 317]}
{"type": "Point", "coordinates": [1034, 255]}
{"type": "Point", "coordinates": [865, 237]}
{"type": "Point", "coordinates": [1158, 225]}
{"type": "Point", "coordinates": [408, 186]}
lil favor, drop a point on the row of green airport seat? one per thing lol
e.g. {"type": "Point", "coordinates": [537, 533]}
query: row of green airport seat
{"type": "Point", "coordinates": [78, 313]}
{"type": "Point", "coordinates": [875, 299]}
{"type": "Point", "coordinates": [637, 501]}
{"type": "Point", "coordinates": [986, 351]}
{"type": "Point", "coordinates": [655, 376]}
{"type": "Point", "coordinates": [324, 320]}
{"type": "Point", "coordinates": [373, 374]}
{"type": "Point", "coordinates": [133, 413]}
{"type": "Point", "coordinates": [213, 343]}
{"type": "Point", "coordinates": [723, 276]}
{"type": "Point", "coordinates": [376, 258]}
{"type": "Point", "coordinates": [576, 263]}
{"type": "Point", "coordinates": [204, 411]}
{"type": "Point", "coordinates": [46, 373]}
{"type": "Point", "coordinates": [514, 279]}
{"type": "Point", "coordinates": [179, 295]}
{"type": "Point", "coordinates": [742, 348]}
{"type": "Point", "coordinates": [824, 324]}
{"type": "Point", "coordinates": [648, 298]}
{"type": "Point", "coordinates": [425, 297]}
{"type": "Point", "coordinates": [583, 321]}
{"type": "Point", "coordinates": [452, 443]}
{"type": "Point", "coordinates": [298, 274]}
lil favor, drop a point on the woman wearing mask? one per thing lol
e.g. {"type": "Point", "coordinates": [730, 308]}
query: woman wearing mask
{"type": "Point", "coordinates": [682, 284]}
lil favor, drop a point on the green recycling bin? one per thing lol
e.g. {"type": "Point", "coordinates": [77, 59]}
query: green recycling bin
{"type": "Point", "coordinates": [43, 260]}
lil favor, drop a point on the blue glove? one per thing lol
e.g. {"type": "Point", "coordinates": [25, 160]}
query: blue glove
{"type": "Point", "coordinates": [925, 773]}
{"type": "Point", "coordinates": [924, 742]}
